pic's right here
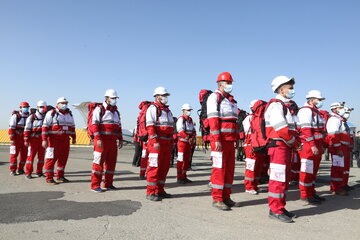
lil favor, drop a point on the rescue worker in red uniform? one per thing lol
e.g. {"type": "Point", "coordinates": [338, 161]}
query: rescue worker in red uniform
{"type": "Point", "coordinates": [280, 130]}
{"type": "Point", "coordinates": [338, 140]}
{"type": "Point", "coordinates": [186, 139]}
{"type": "Point", "coordinates": [33, 140]}
{"type": "Point", "coordinates": [222, 113]}
{"type": "Point", "coordinates": [160, 128]}
{"type": "Point", "coordinates": [254, 161]}
{"type": "Point", "coordinates": [58, 127]}
{"type": "Point", "coordinates": [351, 147]}
{"type": "Point", "coordinates": [16, 135]}
{"type": "Point", "coordinates": [106, 126]}
{"type": "Point", "coordinates": [311, 125]}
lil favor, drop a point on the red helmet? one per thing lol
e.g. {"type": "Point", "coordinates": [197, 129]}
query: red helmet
{"type": "Point", "coordinates": [225, 76]}
{"type": "Point", "coordinates": [24, 104]}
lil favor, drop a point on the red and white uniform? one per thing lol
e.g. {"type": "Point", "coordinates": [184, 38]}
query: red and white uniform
{"type": "Point", "coordinates": [58, 127]}
{"type": "Point", "coordinates": [280, 129]}
{"type": "Point", "coordinates": [144, 159]}
{"type": "Point", "coordinates": [311, 126]}
{"type": "Point", "coordinates": [339, 140]}
{"type": "Point", "coordinates": [224, 129]}
{"type": "Point", "coordinates": [108, 129]}
{"type": "Point", "coordinates": [160, 130]}
{"type": "Point", "coordinates": [254, 161]}
{"type": "Point", "coordinates": [32, 135]}
{"type": "Point", "coordinates": [16, 134]}
{"type": "Point", "coordinates": [186, 133]}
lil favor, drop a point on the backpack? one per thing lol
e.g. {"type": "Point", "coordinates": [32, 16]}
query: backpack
{"type": "Point", "coordinates": [141, 131]}
{"type": "Point", "coordinates": [258, 138]}
{"type": "Point", "coordinates": [91, 108]}
{"type": "Point", "coordinates": [18, 116]}
{"type": "Point", "coordinates": [241, 116]}
{"type": "Point", "coordinates": [204, 127]}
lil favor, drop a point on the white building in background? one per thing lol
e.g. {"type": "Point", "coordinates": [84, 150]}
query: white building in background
{"type": "Point", "coordinates": [83, 109]}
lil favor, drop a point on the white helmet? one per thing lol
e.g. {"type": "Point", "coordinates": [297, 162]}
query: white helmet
{"type": "Point", "coordinates": [314, 94]}
{"type": "Point", "coordinates": [336, 105]}
{"type": "Point", "coordinates": [186, 106]}
{"type": "Point", "coordinates": [61, 99]}
{"type": "Point", "coordinates": [252, 103]}
{"type": "Point", "coordinates": [161, 91]}
{"type": "Point", "coordinates": [111, 93]}
{"type": "Point", "coordinates": [41, 103]}
{"type": "Point", "coordinates": [348, 109]}
{"type": "Point", "coordinates": [280, 80]}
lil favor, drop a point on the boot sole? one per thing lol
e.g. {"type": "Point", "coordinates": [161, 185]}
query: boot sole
{"type": "Point", "coordinates": [284, 221]}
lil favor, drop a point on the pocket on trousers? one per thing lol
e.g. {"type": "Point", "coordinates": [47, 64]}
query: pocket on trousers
{"type": "Point", "coordinates": [277, 172]}
{"type": "Point", "coordinates": [217, 159]}
{"type": "Point", "coordinates": [49, 152]}
{"type": "Point", "coordinates": [12, 149]}
{"type": "Point", "coordinates": [180, 157]}
{"type": "Point", "coordinates": [307, 166]}
{"type": "Point", "coordinates": [97, 157]}
{"type": "Point", "coordinates": [153, 159]}
{"type": "Point", "coordinates": [250, 164]}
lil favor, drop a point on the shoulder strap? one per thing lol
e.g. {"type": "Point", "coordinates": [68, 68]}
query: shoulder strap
{"type": "Point", "coordinates": [219, 99]}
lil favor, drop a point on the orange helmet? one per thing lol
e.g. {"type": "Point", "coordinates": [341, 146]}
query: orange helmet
{"type": "Point", "coordinates": [225, 76]}
{"type": "Point", "coordinates": [24, 104]}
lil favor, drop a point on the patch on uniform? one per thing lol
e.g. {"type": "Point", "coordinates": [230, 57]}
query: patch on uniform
{"type": "Point", "coordinates": [337, 161]}
{"type": "Point", "coordinates": [153, 159]}
{"type": "Point", "coordinates": [49, 153]}
{"type": "Point", "coordinates": [307, 166]}
{"type": "Point", "coordinates": [180, 157]}
{"type": "Point", "coordinates": [250, 164]}
{"type": "Point", "coordinates": [277, 172]}
{"type": "Point", "coordinates": [29, 151]}
{"type": "Point", "coordinates": [97, 157]}
{"type": "Point", "coordinates": [12, 149]}
{"type": "Point", "coordinates": [217, 159]}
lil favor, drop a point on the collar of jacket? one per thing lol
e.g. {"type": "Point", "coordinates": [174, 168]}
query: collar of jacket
{"type": "Point", "coordinates": [284, 99]}
{"type": "Point", "coordinates": [62, 111]}
{"type": "Point", "coordinates": [226, 95]}
{"type": "Point", "coordinates": [161, 106]}
{"type": "Point", "coordinates": [338, 116]}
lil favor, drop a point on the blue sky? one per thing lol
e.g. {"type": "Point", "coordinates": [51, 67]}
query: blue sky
{"type": "Point", "coordinates": [78, 49]}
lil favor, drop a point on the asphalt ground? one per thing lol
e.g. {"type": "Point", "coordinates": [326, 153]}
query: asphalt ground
{"type": "Point", "coordinates": [31, 209]}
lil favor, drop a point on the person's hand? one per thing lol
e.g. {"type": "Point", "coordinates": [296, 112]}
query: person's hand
{"type": "Point", "coordinates": [237, 144]}
{"type": "Point", "coordinates": [12, 142]}
{"type": "Point", "coordinates": [26, 144]}
{"type": "Point", "coordinates": [299, 147]}
{"type": "Point", "coordinates": [121, 144]}
{"type": "Point", "coordinates": [157, 146]}
{"type": "Point", "coordinates": [218, 146]}
{"type": "Point", "coordinates": [73, 141]}
{"type": "Point", "coordinates": [44, 144]}
{"type": "Point", "coordinates": [315, 150]}
{"type": "Point", "coordinates": [99, 143]}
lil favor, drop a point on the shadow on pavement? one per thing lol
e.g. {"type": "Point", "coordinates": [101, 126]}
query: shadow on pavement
{"type": "Point", "coordinates": [42, 206]}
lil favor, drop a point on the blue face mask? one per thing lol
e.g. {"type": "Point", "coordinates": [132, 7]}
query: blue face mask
{"type": "Point", "coordinates": [112, 102]}
{"type": "Point", "coordinates": [63, 106]}
{"type": "Point", "coordinates": [25, 110]}
{"type": "Point", "coordinates": [290, 94]}
{"type": "Point", "coordinates": [319, 104]}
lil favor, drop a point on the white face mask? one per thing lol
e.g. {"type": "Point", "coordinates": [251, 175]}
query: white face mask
{"type": "Point", "coordinates": [41, 110]}
{"type": "Point", "coordinates": [319, 104]}
{"type": "Point", "coordinates": [290, 94]}
{"type": "Point", "coordinates": [188, 113]}
{"type": "Point", "coordinates": [112, 102]}
{"type": "Point", "coordinates": [164, 100]}
{"type": "Point", "coordinates": [346, 115]}
{"type": "Point", "coordinates": [228, 88]}
{"type": "Point", "coordinates": [341, 112]}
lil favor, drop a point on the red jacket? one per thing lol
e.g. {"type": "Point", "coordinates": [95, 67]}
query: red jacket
{"type": "Point", "coordinates": [222, 120]}
{"type": "Point", "coordinates": [159, 127]}
{"type": "Point", "coordinates": [59, 125]}
{"type": "Point", "coordinates": [106, 123]}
